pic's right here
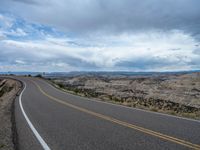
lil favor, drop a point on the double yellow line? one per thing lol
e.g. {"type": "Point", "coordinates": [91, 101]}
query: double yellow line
{"type": "Point", "coordinates": [132, 126]}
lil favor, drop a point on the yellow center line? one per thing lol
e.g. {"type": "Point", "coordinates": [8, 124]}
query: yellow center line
{"type": "Point", "coordinates": [132, 126]}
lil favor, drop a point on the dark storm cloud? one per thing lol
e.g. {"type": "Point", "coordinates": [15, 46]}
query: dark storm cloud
{"type": "Point", "coordinates": [114, 16]}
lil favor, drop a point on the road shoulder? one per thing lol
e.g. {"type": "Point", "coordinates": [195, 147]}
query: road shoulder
{"type": "Point", "coordinates": [8, 136]}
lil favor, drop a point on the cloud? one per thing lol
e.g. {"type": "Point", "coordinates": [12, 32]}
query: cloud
{"type": "Point", "coordinates": [27, 1]}
{"type": "Point", "coordinates": [150, 51]}
{"type": "Point", "coordinates": [17, 28]}
{"type": "Point", "coordinates": [113, 16]}
{"type": "Point", "coordinates": [20, 61]}
{"type": "Point", "coordinates": [66, 35]}
{"type": "Point", "coordinates": [5, 22]}
{"type": "Point", "coordinates": [18, 32]}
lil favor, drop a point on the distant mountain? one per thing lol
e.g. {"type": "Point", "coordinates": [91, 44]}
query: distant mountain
{"type": "Point", "coordinates": [97, 73]}
{"type": "Point", "coordinates": [113, 73]}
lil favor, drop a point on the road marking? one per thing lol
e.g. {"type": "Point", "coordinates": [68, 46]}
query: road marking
{"type": "Point", "coordinates": [37, 135]}
{"type": "Point", "coordinates": [132, 126]}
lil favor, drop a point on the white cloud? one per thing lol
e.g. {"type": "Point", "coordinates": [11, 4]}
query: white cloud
{"type": "Point", "coordinates": [152, 50]}
{"type": "Point", "coordinates": [6, 27]}
{"type": "Point", "coordinates": [17, 32]}
{"type": "Point", "coordinates": [151, 47]}
{"type": "Point", "coordinates": [5, 22]}
{"type": "Point", "coordinates": [2, 36]}
{"type": "Point", "coordinates": [18, 61]}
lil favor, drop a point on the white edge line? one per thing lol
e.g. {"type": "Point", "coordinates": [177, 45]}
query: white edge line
{"type": "Point", "coordinates": [158, 113]}
{"type": "Point", "coordinates": [37, 135]}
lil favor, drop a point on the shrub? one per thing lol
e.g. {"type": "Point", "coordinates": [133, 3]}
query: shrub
{"type": "Point", "coordinates": [39, 76]}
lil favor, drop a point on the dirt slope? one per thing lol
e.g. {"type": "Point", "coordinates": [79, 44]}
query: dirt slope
{"type": "Point", "coordinates": [8, 90]}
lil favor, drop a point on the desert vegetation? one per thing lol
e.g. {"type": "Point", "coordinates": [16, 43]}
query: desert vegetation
{"type": "Point", "coordinates": [177, 94]}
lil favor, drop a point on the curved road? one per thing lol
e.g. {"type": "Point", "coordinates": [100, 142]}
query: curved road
{"type": "Point", "coordinates": [47, 118]}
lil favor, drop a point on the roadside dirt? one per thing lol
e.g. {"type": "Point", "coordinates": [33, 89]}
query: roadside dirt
{"type": "Point", "coordinates": [8, 90]}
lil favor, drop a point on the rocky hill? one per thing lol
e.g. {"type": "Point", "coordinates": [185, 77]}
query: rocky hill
{"type": "Point", "coordinates": [176, 93]}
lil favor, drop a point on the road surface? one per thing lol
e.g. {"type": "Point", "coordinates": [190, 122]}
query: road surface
{"type": "Point", "coordinates": [47, 118]}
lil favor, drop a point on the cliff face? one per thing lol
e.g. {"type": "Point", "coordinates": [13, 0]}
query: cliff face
{"type": "Point", "coordinates": [180, 93]}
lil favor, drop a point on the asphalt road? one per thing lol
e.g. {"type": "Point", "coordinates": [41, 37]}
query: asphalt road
{"type": "Point", "coordinates": [47, 118]}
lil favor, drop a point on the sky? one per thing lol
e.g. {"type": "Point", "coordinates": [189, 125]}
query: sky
{"type": "Point", "coordinates": [99, 35]}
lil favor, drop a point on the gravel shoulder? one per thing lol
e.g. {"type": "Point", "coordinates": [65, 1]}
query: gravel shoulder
{"type": "Point", "coordinates": [8, 91]}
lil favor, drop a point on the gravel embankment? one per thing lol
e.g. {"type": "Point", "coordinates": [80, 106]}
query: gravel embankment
{"type": "Point", "coordinates": [8, 90]}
